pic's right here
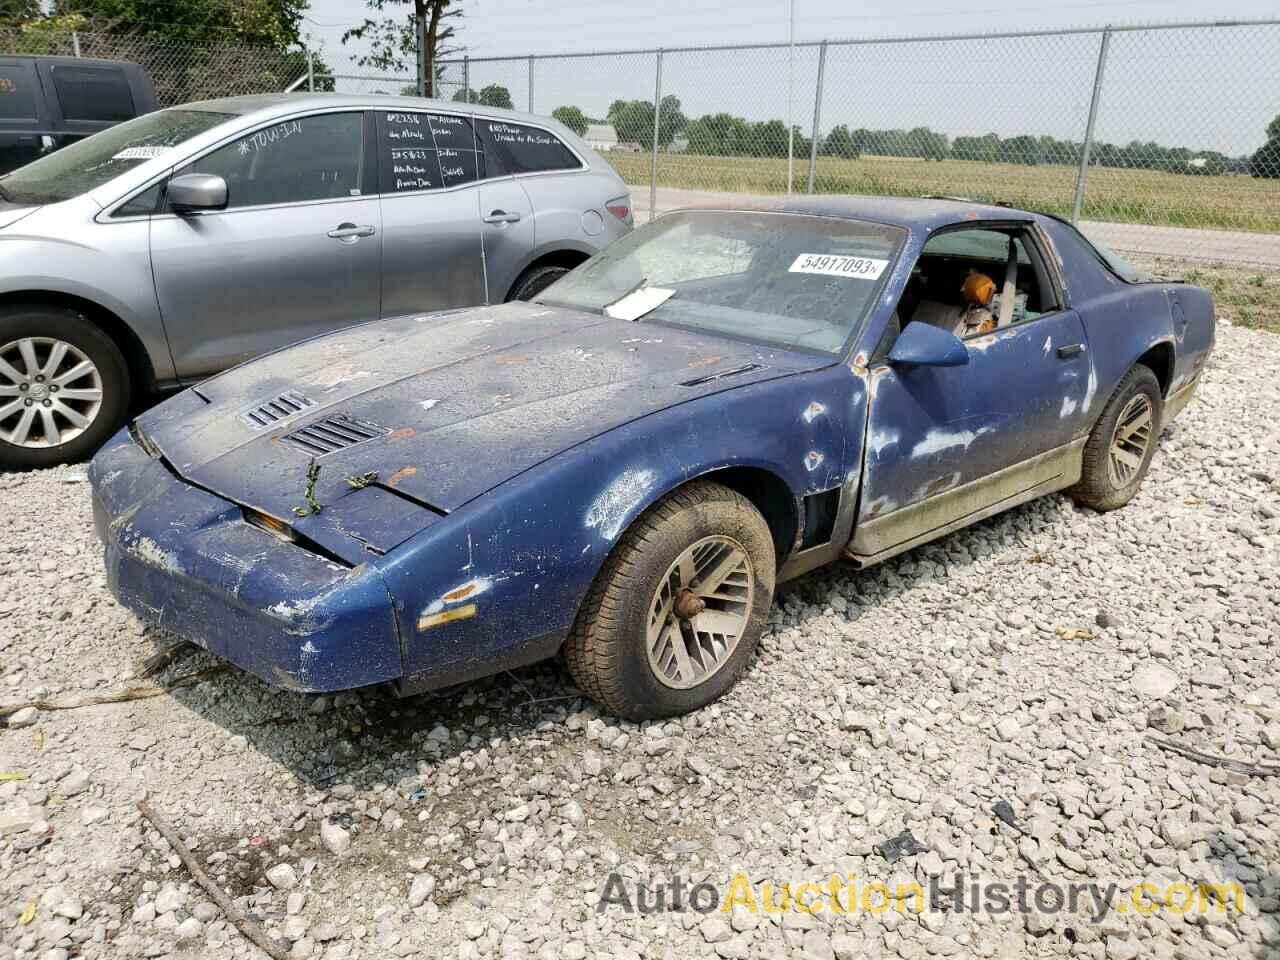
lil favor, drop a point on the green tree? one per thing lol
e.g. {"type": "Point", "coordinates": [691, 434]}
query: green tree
{"type": "Point", "coordinates": [571, 117]}
{"type": "Point", "coordinates": [1266, 162]}
{"type": "Point", "coordinates": [268, 22]}
{"type": "Point", "coordinates": [466, 95]}
{"type": "Point", "coordinates": [393, 40]}
{"type": "Point", "coordinates": [984, 149]}
{"type": "Point", "coordinates": [633, 121]}
{"type": "Point", "coordinates": [1024, 149]}
{"type": "Point", "coordinates": [839, 143]}
{"type": "Point", "coordinates": [19, 9]}
{"type": "Point", "coordinates": [1273, 128]}
{"type": "Point", "coordinates": [495, 95]}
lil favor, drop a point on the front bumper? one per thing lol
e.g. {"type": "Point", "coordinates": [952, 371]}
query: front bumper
{"type": "Point", "coordinates": [186, 560]}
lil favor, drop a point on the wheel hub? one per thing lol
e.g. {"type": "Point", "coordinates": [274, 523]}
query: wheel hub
{"type": "Point", "coordinates": [1130, 440]}
{"type": "Point", "coordinates": [699, 612]}
{"type": "Point", "coordinates": [50, 392]}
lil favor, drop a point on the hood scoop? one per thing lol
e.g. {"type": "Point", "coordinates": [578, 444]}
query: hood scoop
{"type": "Point", "coordinates": [331, 434]}
{"type": "Point", "coordinates": [276, 410]}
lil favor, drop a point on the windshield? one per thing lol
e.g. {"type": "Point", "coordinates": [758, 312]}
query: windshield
{"type": "Point", "coordinates": [89, 163]}
{"type": "Point", "coordinates": [783, 279]}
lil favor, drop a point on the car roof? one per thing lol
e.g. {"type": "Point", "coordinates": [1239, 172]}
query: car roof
{"type": "Point", "coordinates": [270, 104]}
{"type": "Point", "coordinates": [61, 61]}
{"type": "Point", "coordinates": [927, 213]}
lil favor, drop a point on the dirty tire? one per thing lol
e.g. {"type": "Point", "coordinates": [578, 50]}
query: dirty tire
{"type": "Point", "coordinates": [533, 281]}
{"type": "Point", "coordinates": [1098, 487]}
{"type": "Point", "coordinates": [606, 649]}
{"type": "Point", "coordinates": [44, 323]}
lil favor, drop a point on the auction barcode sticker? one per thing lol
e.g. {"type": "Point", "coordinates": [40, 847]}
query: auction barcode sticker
{"type": "Point", "coordinates": [141, 153]}
{"type": "Point", "coordinates": [859, 268]}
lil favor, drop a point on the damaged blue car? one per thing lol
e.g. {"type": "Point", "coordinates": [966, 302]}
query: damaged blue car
{"type": "Point", "coordinates": [623, 470]}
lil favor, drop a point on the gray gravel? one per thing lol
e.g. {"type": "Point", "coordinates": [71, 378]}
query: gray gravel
{"type": "Point", "coordinates": [1029, 660]}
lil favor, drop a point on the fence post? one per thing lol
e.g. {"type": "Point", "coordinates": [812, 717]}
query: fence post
{"type": "Point", "coordinates": [1087, 148]}
{"type": "Point", "coordinates": [653, 162]}
{"type": "Point", "coordinates": [75, 42]}
{"type": "Point", "coordinates": [531, 84]}
{"type": "Point", "coordinates": [466, 79]}
{"type": "Point", "coordinates": [817, 114]}
{"type": "Point", "coordinates": [311, 71]}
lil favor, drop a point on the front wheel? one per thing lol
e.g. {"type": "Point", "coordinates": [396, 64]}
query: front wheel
{"type": "Point", "coordinates": [64, 387]}
{"type": "Point", "coordinates": [679, 606]}
{"type": "Point", "coordinates": [533, 281]}
{"type": "Point", "coordinates": [1119, 450]}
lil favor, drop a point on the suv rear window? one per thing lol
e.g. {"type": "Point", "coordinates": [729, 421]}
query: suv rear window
{"type": "Point", "coordinates": [17, 93]}
{"type": "Point", "coordinates": [93, 93]}
{"type": "Point", "coordinates": [517, 148]}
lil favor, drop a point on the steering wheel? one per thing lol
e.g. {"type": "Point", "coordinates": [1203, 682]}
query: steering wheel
{"type": "Point", "coordinates": [809, 305]}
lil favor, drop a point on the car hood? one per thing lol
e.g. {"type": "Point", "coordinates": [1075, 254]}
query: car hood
{"type": "Point", "coordinates": [11, 213]}
{"type": "Point", "coordinates": [457, 402]}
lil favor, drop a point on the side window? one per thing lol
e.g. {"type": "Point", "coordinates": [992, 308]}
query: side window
{"type": "Point", "coordinates": [958, 281]}
{"type": "Point", "coordinates": [311, 158]}
{"type": "Point", "coordinates": [516, 148]}
{"type": "Point", "coordinates": [148, 201]}
{"type": "Point", "coordinates": [426, 151]}
{"type": "Point", "coordinates": [93, 93]}
{"type": "Point", "coordinates": [17, 92]}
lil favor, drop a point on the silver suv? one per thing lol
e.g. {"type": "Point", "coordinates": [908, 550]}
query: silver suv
{"type": "Point", "coordinates": [175, 245]}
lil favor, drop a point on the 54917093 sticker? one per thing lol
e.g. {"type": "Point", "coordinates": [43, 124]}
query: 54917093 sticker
{"type": "Point", "coordinates": [833, 265]}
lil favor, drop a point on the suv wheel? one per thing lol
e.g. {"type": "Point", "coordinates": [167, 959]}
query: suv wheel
{"type": "Point", "coordinates": [64, 387]}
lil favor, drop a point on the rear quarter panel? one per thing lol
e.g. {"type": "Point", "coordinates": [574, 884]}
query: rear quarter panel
{"type": "Point", "coordinates": [1122, 320]}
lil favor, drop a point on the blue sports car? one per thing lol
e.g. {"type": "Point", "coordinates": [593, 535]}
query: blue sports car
{"type": "Point", "coordinates": [623, 470]}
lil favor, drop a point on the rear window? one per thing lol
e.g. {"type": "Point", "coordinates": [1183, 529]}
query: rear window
{"type": "Point", "coordinates": [17, 93]}
{"type": "Point", "coordinates": [518, 148]}
{"type": "Point", "coordinates": [93, 93]}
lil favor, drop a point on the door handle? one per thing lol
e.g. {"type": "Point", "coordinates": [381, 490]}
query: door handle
{"type": "Point", "coordinates": [350, 233]}
{"type": "Point", "coordinates": [1070, 350]}
{"type": "Point", "coordinates": [501, 216]}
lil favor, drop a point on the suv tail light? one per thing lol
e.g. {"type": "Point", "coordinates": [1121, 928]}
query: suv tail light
{"type": "Point", "coordinates": [621, 208]}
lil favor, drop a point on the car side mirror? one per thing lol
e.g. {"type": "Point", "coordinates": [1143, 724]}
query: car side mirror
{"type": "Point", "coordinates": [923, 344]}
{"type": "Point", "coordinates": [192, 192]}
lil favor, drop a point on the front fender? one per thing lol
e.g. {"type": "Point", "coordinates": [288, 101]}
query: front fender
{"type": "Point", "coordinates": [523, 556]}
{"type": "Point", "coordinates": [117, 280]}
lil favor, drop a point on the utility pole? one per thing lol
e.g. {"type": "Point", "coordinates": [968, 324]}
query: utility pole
{"type": "Point", "coordinates": [420, 30]}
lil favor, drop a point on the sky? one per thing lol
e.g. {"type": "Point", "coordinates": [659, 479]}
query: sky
{"type": "Point", "coordinates": [1203, 89]}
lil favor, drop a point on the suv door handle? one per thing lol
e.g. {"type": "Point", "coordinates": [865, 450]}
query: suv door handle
{"type": "Point", "coordinates": [350, 233]}
{"type": "Point", "coordinates": [501, 216]}
{"type": "Point", "coordinates": [1070, 350]}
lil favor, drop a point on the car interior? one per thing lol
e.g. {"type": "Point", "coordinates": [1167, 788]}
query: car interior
{"type": "Point", "coordinates": [973, 281]}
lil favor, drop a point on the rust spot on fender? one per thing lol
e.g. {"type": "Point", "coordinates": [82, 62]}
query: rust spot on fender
{"type": "Point", "coordinates": [404, 433]}
{"type": "Point", "coordinates": [401, 474]}
{"type": "Point", "coordinates": [460, 594]}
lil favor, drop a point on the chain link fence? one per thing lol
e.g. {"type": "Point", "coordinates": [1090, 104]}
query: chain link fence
{"type": "Point", "coordinates": [1149, 136]}
{"type": "Point", "coordinates": [181, 72]}
{"type": "Point", "coordinates": [1139, 133]}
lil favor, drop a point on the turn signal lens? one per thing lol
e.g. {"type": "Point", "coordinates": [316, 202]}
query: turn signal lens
{"type": "Point", "coordinates": [273, 526]}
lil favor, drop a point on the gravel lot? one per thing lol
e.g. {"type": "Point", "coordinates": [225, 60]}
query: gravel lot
{"type": "Point", "coordinates": [1031, 659]}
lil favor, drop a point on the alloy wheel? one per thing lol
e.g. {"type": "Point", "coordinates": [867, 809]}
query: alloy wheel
{"type": "Point", "coordinates": [50, 392]}
{"type": "Point", "coordinates": [1130, 440]}
{"type": "Point", "coordinates": [699, 612]}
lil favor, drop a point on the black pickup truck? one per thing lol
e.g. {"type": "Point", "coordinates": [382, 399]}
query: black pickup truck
{"type": "Point", "coordinates": [48, 102]}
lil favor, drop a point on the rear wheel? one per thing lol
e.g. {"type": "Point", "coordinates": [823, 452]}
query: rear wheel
{"type": "Point", "coordinates": [64, 387]}
{"type": "Point", "coordinates": [679, 606]}
{"type": "Point", "coordinates": [534, 280]}
{"type": "Point", "coordinates": [1119, 450]}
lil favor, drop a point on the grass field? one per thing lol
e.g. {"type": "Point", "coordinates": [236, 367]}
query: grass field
{"type": "Point", "coordinates": [1123, 196]}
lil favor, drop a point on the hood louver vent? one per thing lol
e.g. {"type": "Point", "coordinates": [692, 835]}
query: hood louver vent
{"type": "Point", "coordinates": [721, 374]}
{"type": "Point", "coordinates": [275, 410]}
{"type": "Point", "coordinates": [332, 434]}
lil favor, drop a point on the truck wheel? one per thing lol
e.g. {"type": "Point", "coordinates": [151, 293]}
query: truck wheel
{"type": "Point", "coordinates": [64, 387]}
{"type": "Point", "coordinates": [675, 614]}
{"type": "Point", "coordinates": [1119, 449]}
{"type": "Point", "coordinates": [533, 281]}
